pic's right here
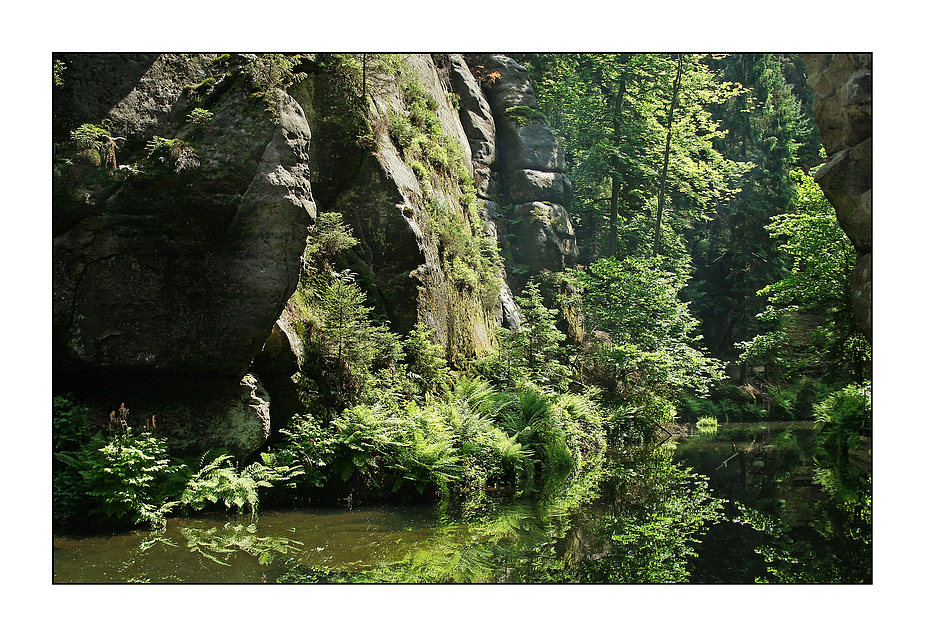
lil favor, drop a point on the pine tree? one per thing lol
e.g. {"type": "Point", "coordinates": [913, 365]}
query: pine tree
{"type": "Point", "coordinates": [733, 254]}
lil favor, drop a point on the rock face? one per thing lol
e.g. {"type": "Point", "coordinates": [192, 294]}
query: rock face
{"type": "Point", "coordinates": [841, 84]}
{"type": "Point", "coordinates": [176, 257]}
{"type": "Point", "coordinates": [531, 168]}
{"type": "Point", "coordinates": [171, 270]}
{"type": "Point", "coordinates": [181, 265]}
{"type": "Point", "coordinates": [392, 208]}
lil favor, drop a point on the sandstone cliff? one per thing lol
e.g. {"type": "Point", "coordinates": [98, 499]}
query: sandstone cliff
{"type": "Point", "coordinates": [842, 86]}
{"type": "Point", "coordinates": [180, 226]}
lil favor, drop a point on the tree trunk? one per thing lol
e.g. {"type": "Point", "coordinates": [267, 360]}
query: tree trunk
{"type": "Point", "coordinates": [661, 187]}
{"type": "Point", "coordinates": [616, 177]}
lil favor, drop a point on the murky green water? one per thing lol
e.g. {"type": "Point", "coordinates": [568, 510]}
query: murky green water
{"type": "Point", "coordinates": [216, 549]}
{"type": "Point", "coordinates": [577, 536]}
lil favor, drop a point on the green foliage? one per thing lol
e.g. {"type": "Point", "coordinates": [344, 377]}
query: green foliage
{"type": "Point", "coordinates": [390, 448]}
{"type": "Point", "coordinates": [533, 352]}
{"type": "Point", "coordinates": [817, 283]}
{"type": "Point", "coordinates": [308, 448]}
{"type": "Point", "coordinates": [843, 418]}
{"type": "Point", "coordinates": [355, 345]}
{"type": "Point", "coordinates": [425, 360]}
{"type": "Point", "coordinates": [525, 115]}
{"type": "Point", "coordinates": [93, 138]}
{"type": "Point", "coordinates": [175, 154]}
{"type": "Point", "coordinates": [196, 93]}
{"type": "Point", "coordinates": [219, 479]}
{"type": "Point", "coordinates": [58, 69]}
{"type": "Point", "coordinates": [611, 111]}
{"type": "Point", "coordinates": [200, 117]}
{"type": "Point", "coordinates": [733, 253]}
{"type": "Point", "coordinates": [329, 237]}
{"type": "Point", "coordinates": [126, 476]}
{"type": "Point", "coordinates": [274, 71]}
{"type": "Point", "coordinates": [71, 430]}
{"type": "Point", "coordinates": [645, 336]}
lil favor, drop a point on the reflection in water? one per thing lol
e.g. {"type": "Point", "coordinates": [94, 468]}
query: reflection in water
{"type": "Point", "coordinates": [214, 549]}
{"type": "Point", "coordinates": [639, 519]}
{"type": "Point", "coordinates": [633, 521]}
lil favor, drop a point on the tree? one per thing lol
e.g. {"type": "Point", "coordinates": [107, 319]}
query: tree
{"type": "Point", "coordinates": [661, 183]}
{"type": "Point", "coordinates": [816, 284]}
{"type": "Point", "coordinates": [534, 349]}
{"type": "Point", "coordinates": [646, 336]}
{"type": "Point", "coordinates": [612, 115]}
{"type": "Point", "coordinates": [354, 344]}
{"type": "Point", "coordinates": [733, 254]}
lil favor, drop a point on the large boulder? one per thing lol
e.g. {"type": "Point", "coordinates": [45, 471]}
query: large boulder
{"type": "Point", "coordinates": [196, 414]}
{"type": "Point", "coordinates": [182, 260]}
{"type": "Point", "coordinates": [537, 185]}
{"type": "Point", "coordinates": [533, 146]}
{"type": "Point", "coordinates": [546, 238]}
{"type": "Point", "coordinates": [842, 88]}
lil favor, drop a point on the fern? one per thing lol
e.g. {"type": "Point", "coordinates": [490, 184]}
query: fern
{"type": "Point", "coordinates": [219, 480]}
{"type": "Point", "coordinates": [91, 137]}
{"type": "Point", "coordinates": [125, 475]}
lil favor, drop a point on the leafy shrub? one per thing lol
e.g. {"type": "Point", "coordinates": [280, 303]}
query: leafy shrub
{"type": "Point", "coordinates": [692, 408]}
{"type": "Point", "coordinates": [95, 138]}
{"type": "Point", "coordinates": [274, 71]}
{"type": "Point", "coordinates": [71, 430]}
{"type": "Point", "coordinates": [307, 447]}
{"type": "Point", "coordinates": [426, 364]}
{"type": "Point", "coordinates": [428, 456]}
{"type": "Point", "coordinates": [176, 154]}
{"type": "Point", "coordinates": [583, 427]}
{"type": "Point", "coordinates": [126, 475]}
{"type": "Point", "coordinates": [199, 116]}
{"type": "Point", "coordinates": [364, 437]}
{"type": "Point", "coordinates": [784, 403]}
{"type": "Point", "coordinates": [58, 69]}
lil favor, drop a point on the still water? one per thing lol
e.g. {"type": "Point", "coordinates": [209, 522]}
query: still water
{"type": "Point", "coordinates": [216, 549]}
{"type": "Point", "coordinates": [505, 541]}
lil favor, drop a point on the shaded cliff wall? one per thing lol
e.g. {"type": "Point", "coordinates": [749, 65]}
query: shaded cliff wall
{"type": "Point", "coordinates": [842, 86]}
{"type": "Point", "coordinates": [181, 260]}
{"type": "Point", "coordinates": [530, 186]}
{"type": "Point", "coordinates": [176, 259]}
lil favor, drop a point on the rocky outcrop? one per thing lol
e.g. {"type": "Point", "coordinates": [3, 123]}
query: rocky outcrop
{"type": "Point", "coordinates": [530, 165]}
{"type": "Point", "coordinates": [401, 214]}
{"type": "Point", "coordinates": [181, 260]}
{"type": "Point", "coordinates": [479, 126]}
{"type": "Point", "coordinates": [842, 86]}
{"type": "Point", "coordinates": [477, 122]}
{"type": "Point", "coordinates": [175, 257]}
{"type": "Point", "coordinates": [196, 414]}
